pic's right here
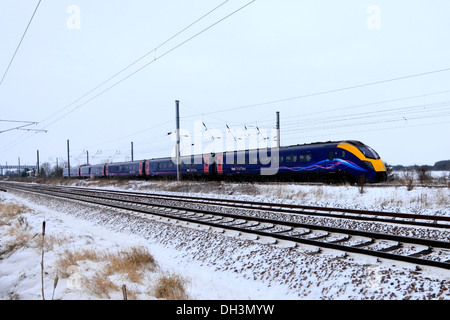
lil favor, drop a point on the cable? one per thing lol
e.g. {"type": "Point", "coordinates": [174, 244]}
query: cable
{"type": "Point", "coordinates": [155, 59]}
{"type": "Point", "coordinates": [404, 112]}
{"type": "Point", "coordinates": [321, 93]}
{"type": "Point", "coordinates": [368, 130]}
{"type": "Point", "coordinates": [21, 127]}
{"type": "Point", "coordinates": [18, 46]}
{"type": "Point", "coordinates": [141, 68]}
{"type": "Point", "coordinates": [146, 65]}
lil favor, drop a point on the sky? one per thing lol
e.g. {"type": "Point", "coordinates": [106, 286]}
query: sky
{"type": "Point", "coordinates": [103, 74]}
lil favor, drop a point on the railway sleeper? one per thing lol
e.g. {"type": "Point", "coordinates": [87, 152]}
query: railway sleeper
{"type": "Point", "coordinates": [344, 238]}
{"type": "Point", "coordinates": [282, 229]}
{"type": "Point", "coordinates": [320, 236]}
{"type": "Point", "coordinates": [423, 252]}
{"type": "Point", "coordinates": [392, 248]}
{"type": "Point", "coordinates": [227, 221]}
{"type": "Point", "coordinates": [262, 227]}
{"type": "Point", "coordinates": [299, 234]}
{"type": "Point", "coordinates": [238, 222]}
{"type": "Point", "coordinates": [250, 225]}
{"type": "Point", "coordinates": [208, 217]}
{"type": "Point", "coordinates": [365, 243]}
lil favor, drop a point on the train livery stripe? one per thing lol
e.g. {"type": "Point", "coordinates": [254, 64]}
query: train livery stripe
{"type": "Point", "coordinates": [327, 165]}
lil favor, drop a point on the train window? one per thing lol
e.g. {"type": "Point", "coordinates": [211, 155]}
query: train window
{"type": "Point", "coordinates": [291, 158]}
{"type": "Point", "coordinates": [331, 156]}
{"type": "Point", "coordinates": [275, 159]}
{"type": "Point", "coordinates": [368, 152]}
{"type": "Point", "coordinates": [307, 157]}
{"type": "Point", "coordinates": [230, 158]}
{"type": "Point", "coordinates": [343, 153]}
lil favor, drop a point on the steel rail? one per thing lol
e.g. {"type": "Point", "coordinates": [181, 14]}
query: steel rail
{"type": "Point", "coordinates": [182, 215]}
{"type": "Point", "coordinates": [374, 216]}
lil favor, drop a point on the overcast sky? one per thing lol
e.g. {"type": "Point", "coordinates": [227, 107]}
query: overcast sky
{"type": "Point", "coordinates": [377, 71]}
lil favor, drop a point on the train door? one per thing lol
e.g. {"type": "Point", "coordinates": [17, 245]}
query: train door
{"type": "Point", "coordinates": [330, 156]}
{"type": "Point", "coordinates": [147, 168]}
{"type": "Point", "coordinates": [219, 161]}
{"type": "Point", "coordinates": [206, 164]}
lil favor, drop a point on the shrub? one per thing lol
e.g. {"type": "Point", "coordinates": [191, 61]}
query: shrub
{"type": "Point", "coordinates": [171, 287]}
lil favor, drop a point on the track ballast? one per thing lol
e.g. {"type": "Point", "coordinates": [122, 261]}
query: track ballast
{"type": "Point", "coordinates": [273, 220]}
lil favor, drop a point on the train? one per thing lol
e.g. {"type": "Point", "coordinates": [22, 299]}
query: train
{"type": "Point", "coordinates": [349, 160]}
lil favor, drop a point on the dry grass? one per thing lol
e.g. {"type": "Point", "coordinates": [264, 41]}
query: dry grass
{"type": "Point", "coordinates": [130, 264]}
{"type": "Point", "coordinates": [72, 258]}
{"type": "Point", "coordinates": [171, 287]}
{"type": "Point", "coordinates": [21, 240]}
{"type": "Point", "coordinates": [102, 273]}
{"type": "Point", "coordinates": [9, 213]}
{"type": "Point", "coordinates": [100, 285]}
{"type": "Point", "coordinates": [17, 226]}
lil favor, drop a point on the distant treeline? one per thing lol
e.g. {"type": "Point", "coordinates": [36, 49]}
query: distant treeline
{"type": "Point", "coordinates": [438, 166]}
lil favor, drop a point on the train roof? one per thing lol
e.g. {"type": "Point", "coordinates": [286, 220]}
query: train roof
{"type": "Point", "coordinates": [353, 142]}
{"type": "Point", "coordinates": [356, 143]}
{"type": "Point", "coordinates": [126, 162]}
{"type": "Point", "coordinates": [313, 144]}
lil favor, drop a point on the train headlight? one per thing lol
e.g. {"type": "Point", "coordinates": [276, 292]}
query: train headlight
{"type": "Point", "coordinates": [370, 165]}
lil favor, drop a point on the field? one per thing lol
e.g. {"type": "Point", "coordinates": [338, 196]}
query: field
{"type": "Point", "coordinates": [91, 253]}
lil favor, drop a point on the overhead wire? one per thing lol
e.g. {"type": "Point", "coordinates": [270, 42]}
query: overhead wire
{"type": "Point", "coordinates": [20, 43]}
{"type": "Point", "coordinates": [404, 112]}
{"type": "Point", "coordinates": [138, 60]}
{"type": "Point", "coordinates": [144, 66]}
{"type": "Point", "coordinates": [149, 63]}
{"type": "Point", "coordinates": [223, 110]}
{"type": "Point", "coordinates": [320, 93]}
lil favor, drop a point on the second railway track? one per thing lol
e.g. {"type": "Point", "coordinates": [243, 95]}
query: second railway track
{"type": "Point", "coordinates": [237, 215]}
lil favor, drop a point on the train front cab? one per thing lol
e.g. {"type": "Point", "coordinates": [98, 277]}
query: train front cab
{"type": "Point", "coordinates": [376, 172]}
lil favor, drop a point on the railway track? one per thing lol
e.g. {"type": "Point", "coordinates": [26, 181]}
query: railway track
{"type": "Point", "coordinates": [240, 216]}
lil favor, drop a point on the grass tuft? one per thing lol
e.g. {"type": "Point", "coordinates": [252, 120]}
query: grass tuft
{"type": "Point", "coordinates": [171, 287]}
{"type": "Point", "coordinates": [133, 263]}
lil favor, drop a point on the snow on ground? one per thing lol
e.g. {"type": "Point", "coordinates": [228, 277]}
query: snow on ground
{"type": "Point", "coordinates": [420, 200]}
{"type": "Point", "coordinates": [215, 265]}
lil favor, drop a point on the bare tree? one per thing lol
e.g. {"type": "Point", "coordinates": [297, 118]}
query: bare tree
{"type": "Point", "coordinates": [423, 174]}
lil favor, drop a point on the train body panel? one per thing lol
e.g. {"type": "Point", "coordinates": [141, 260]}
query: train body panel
{"type": "Point", "coordinates": [350, 160]}
{"type": "Point", "coordinates": [191, 166]}
{"type": "Point", "coordinates": [74, 172]}
{"type": "Point", "coordinates": [97, 171]}
{"type": "Point", "coordinates": [125, 169]}
{"type": "Point", "coordinates": [85, 171]}
{"type": "Point", "coordinates": [94, 171]}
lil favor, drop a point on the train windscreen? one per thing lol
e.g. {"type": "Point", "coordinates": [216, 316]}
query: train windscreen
{"type": "Point", "coordinates": [369, 152]}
